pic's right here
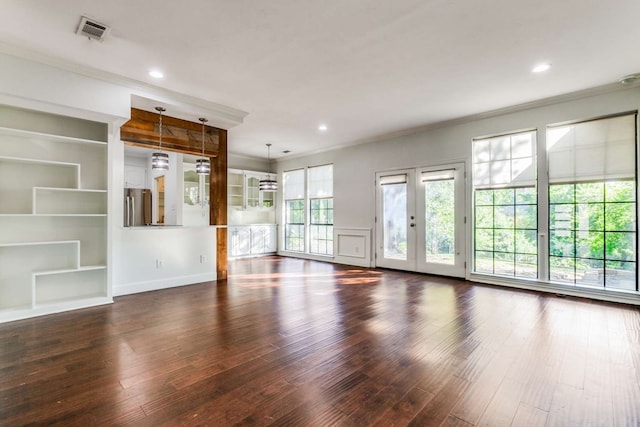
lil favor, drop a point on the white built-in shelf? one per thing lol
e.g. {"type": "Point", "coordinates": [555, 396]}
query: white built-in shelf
{"type": "Point", "coordinates": [38, 161]}
{"type": "Point", "coordinates": [68, 201]}
{"type": "Point", "coordinates": [54, 242]}
{"type": "Point", "coordinates": [54, 218]}
{"type": "Point", "coordinates": [69, 270]}
{"type": "Point", "coordinates": [47, 215]}
{"type": "Point", "coordinates": [49, 137]}
{"type": "Point", "coordinates": [78, 190]}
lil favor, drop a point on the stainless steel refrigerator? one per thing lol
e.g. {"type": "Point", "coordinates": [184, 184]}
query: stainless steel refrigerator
{"type": "Point", "coordinates": [137, 207]}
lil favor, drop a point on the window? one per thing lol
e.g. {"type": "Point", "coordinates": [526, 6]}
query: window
{"type": "Point", "coordinates": [505, 205]}
{"type": "Point", "coordinates": [317, 221]}
{"type": "Point", "coordinates": [294, 210]}
{"type": "Point", "coordinates": [592, 203]}
{"type": "Point", "coordinates": [321, 210]}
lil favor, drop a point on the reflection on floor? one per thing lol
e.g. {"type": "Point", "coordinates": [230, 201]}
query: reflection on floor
{"type": "Point", "coordinates": [294, 342]}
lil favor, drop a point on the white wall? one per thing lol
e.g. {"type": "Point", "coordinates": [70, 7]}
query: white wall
{"type": "Point", "coordinates": [355, 166]}
{"type": "Point", "coordinates": [161, 257]}
{"type": "Point", "coordinates": [238, 161]}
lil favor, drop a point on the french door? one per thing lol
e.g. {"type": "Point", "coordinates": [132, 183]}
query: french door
{"type": "Point", "coordinates": [420, 220]}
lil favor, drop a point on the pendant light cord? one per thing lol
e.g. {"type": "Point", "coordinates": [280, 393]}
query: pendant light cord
{"type": "Point", "coordinates": [160, 110]}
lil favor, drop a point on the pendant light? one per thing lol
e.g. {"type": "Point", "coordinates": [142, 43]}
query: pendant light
{"type": "Point", "coordinates": [160, 160]}
{"type": "Point", "coordinates": [268, 184]}
{"type": "Point", "coordinates": [203, 165]}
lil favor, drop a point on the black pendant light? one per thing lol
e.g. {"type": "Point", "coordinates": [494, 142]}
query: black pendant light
{"type": "Point", "coordinates": [268, 184]}
{"type": "Point", "coordinates": [203, 165]}
{"type": "Point", "coordinates": [160, 160]}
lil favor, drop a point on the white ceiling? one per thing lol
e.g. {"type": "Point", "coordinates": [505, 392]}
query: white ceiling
{"type": "Point", "coordinates": [366, 68]}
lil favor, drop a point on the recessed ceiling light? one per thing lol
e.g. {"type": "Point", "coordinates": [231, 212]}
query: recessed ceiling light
{"type": "Point", "coordinates": [541, 68]}
{"type": "Point", "coordinates": [322, 128]}
{"type": "Point", "coordinates": [156, 74]}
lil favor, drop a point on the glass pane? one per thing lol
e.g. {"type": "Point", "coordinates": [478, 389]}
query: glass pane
{"type": "Point", "coordinates": [526, 242]}
{"type": "Point", "coordinates": [561, 217]}
{"type": "Point", "coordinates": [561, 243]}
{"type": "Point", "coordinates": [526, 196]}
{"type": "Point", "coordinates": [484, 217]}
{"type": "Point", "coordinates": [504, 240]}
{"type": "Point", "coordinates": [440, 221]}
{"type": "Point", "coordinates": [621, 275]}
{"type": "Point", "coordinates": [484, 262]}
{"type": "Point", "coordinates": [561, 193]}
{"type": "Point", "coordinates": [527, 216]}
{"type": "Point", "coordinates": [484, 240]}
{"type": "Point", "coordinates": [527, 266]}
{"type": "Point", "coordinates": [590, 216]}
{"type": "Point", "coordinates": [620, 246]}
{"type": "Point", "coordinates": [590, 244]}
{"type": "Point", "coordinates": [394, 203]}
{"type": "Point", "coordinates": [484, 197]}
{"type": "Point", "coordinates": [620, 216]}
{"type": "Point", "coordinates": [561, 269]}
{"type": "Point", "coordinates": [505, 264]}
{"type": "Point", "coordinates": [590, 192]}
{"type": "Point", "coordinates": [504, 216]}
{"type": "Point", "coordinates": [504, 196]}
{"type": "Point", "coordinates": [590, 272]}
{"type": "Point", "coordinates": [620, 191]}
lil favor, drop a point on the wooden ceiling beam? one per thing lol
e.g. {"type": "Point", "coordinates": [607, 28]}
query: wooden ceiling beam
{"type": "Point", "coordinates": [180, 136]}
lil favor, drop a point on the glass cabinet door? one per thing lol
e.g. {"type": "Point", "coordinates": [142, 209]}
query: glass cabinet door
{"type": "Point", "coordinates": [253, 192]}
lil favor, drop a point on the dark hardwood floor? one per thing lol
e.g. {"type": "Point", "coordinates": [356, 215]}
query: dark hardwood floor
{"type": "Point", "coordinates": [294, 342]}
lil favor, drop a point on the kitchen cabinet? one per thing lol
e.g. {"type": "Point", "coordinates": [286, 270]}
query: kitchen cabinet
{"type": "Point", "coordinates": [53, 220]}
{"type": "Point", "coordinates": [252, 240]}
{"type": "Point", "coordinates": [244, 190]}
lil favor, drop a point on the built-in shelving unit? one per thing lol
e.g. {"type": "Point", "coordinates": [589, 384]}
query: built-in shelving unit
{"type": "Point", "coordinates": [53, 218]}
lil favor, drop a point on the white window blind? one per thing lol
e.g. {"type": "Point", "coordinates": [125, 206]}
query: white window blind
{"type": "Point", "coordinates": [320, 181]}
{"type": "Point", "coordinates": [594, 150]}
{"type": "Point", "coordinates": [503, 161]}
{"type": "Point", "coordinates": [437, 175]}
{"type": "Point", "coordinates": [393, 179]}
{"type": "Point", "coordinates": [293, 184]}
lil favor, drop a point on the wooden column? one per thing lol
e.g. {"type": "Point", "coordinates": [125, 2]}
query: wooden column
{"type": "Point", "coordinates": [218, 203]}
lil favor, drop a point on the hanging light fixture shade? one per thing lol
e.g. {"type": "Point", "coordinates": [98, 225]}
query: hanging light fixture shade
{"type": "Point", "coordinates": [203, 165]}
{"type": "Point", "coordinates": [160, 160]}
{"type": "Point", "coordinates": [268, 184]}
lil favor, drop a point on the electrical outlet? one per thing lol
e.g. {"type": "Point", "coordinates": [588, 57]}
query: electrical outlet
{"type": "Point", "coordinates": [203, 259]}
{"type": "Point", "coordinates": [159, 263]}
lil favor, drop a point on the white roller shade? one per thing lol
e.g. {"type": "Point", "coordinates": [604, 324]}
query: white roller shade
{"type": "Point", "coordinates": [293, 184]}
{"type": "Point", "coordinates": [393, 179]}
{"type": "Point", "coordinates": [321, 181]}
{"type": "Point", "coordinates": [437, 175]}
{"type": "Point", "coordinates": [504, 161]}
{"type": "Point", "coordinates": [594, 150]}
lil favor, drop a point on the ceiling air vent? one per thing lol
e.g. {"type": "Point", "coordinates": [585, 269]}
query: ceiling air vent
{"type": "Point", "coordinates": [92, 29]}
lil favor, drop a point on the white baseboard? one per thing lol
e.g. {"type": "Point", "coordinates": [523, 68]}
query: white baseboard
{"type": "Point", "coordinates": [153, 285]}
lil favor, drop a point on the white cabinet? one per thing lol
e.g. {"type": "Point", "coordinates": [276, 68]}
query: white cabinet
{"type": "Point", "coordinates": [53, 222]}
{"type": "Point", "coordinates": [243, 190]}
{"type": "Point", "coordinates": [235, 190]}
{"type": "Point", "coordinates": [252, 240]}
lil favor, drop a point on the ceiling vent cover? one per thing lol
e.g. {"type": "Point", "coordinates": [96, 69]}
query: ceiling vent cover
{"type": "Point", "coordinates": [92, 29]}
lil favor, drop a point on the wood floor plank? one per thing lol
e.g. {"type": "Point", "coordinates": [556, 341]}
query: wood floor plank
{"type": "Point", "coordinates": [296, 342]}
